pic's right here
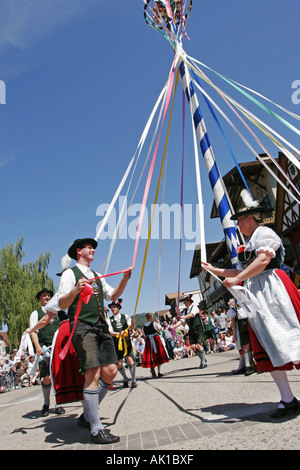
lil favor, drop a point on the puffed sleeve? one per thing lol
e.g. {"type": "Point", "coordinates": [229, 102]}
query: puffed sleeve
{"type": "Point", "coordinates": [264, 240]}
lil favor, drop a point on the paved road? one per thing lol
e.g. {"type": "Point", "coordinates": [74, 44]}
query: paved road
{"type": "Point", "coordinates": [186, 410]}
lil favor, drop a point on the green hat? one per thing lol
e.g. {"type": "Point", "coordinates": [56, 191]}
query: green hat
{"type": "Point", "coordinates": [79, 244]}
{"type": "Point", "coordinates": [44, 290]}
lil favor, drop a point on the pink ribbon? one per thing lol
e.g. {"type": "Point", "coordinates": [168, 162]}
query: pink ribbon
{"type": "Point", "coordinates": [147, 187]}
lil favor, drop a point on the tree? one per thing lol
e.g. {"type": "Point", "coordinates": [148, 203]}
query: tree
{"type": "Point", "coordinates": [19, 284]}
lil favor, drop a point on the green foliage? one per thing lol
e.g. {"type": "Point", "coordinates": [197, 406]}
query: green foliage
{"type": "Point", "coordinates": [19, 284]}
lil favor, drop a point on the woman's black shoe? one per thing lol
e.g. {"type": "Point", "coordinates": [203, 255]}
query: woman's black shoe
{"type": "Point", "coordinates": [45, 410]}
{"type": "Point", "coordinates": [153, 373]}
{"type": "Point", "coordinates": [288, 407]}
{"type": "Point", "coordinates": [249, 371]}
{"type": "Point", "coordinates": [103, 437]}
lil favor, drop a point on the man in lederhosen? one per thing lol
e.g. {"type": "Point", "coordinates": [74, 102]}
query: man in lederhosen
{"type": "Point", "coordinates": [119, 326]}
{"type": "Point", "coordinates": [91, 339]}
{"type": "Point", "coordinates": [44, 337]}
{"type": "Point", "coordinates": [196, 331]}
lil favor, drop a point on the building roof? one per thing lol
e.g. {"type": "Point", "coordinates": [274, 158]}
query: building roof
{"type": "Point", "coordinates": [215, 252]}
{"type": "Point", "coordinates": [234, 183]}
{"type": "Point", "coordinates": [4, 337]}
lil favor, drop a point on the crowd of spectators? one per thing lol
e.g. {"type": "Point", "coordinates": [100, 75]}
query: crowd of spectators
{"type": "Point", "coordinates": [218, 334]}
{"type": "Point", "coordinates": [16, 371]}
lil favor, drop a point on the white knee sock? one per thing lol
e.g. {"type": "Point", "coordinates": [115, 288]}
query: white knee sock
{"type": "Point", "coordinates": [281, 380]}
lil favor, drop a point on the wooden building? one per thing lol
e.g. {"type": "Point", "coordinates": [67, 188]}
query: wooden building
{"type": "Point", "coordinates": [284, 219]}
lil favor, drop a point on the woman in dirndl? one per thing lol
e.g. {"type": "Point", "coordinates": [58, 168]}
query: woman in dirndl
{"type": "Point", "coordinates": [154, 353]}
{"type": "Point", "coordinates": [66, 375]}
{"type": "Point", "coordinates": [274, 326]}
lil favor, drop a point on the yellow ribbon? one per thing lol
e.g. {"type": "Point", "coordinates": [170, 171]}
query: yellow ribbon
{"type": "Point", "coordinates": [156, 196]}
{"type": "Point", "coordinates": [120, 343]}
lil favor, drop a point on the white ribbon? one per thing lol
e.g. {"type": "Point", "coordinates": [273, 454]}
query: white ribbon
{"type": "Point", "coordinates": [243, 296]}
{"type": "Point", "coordinates": [38, 359]}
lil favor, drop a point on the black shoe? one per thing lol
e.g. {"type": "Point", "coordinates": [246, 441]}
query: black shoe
{"type": "Point", "coordinates": [160, 375]}
{"type": "Point", "coordinates": [45, 410]}
{"type": "Point", "coordinates": [59, 410]}
{"type": "Point", "coordinates": [249, 371]}
{"type": "Point", "coordinates": [202, 366]}
{"type": "Point", "coordinates": [125, 384]}
{"type": "Point", "coordinates": [133, 385]}
{"type": "Point", "coordinates": [103, 437]}
{"type": "Point", "coordinates": [153, 373]}
{"type": "Point", "coordinates": [83, 422]}
{"type": "Point", "coordinates": [288, 407]}
{"type": "Point", "coordinates": [239, 371]}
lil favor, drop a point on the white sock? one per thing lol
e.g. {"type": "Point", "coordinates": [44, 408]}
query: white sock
{"type": "Point", "coordinates": [281, 380]}
{"type": "Point", "coordinates": [247, 358]}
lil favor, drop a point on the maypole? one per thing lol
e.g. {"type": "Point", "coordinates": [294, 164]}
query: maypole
{"type": "Point", "coordinates": [164, 16]}
{"type": "Point", "coordinates": [215, 177]}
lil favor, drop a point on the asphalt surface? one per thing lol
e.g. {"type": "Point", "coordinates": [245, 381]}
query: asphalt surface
{"type": "Point", "coordinates": [188, 409]}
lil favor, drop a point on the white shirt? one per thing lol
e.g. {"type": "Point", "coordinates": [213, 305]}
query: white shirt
{"type": "Point", "coordinates": [33, 319]}
{"type": "Point", "coordinates": [68, 281]}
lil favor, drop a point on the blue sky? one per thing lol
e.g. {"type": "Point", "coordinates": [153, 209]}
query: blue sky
{"type": "Point", "coordinates": [82, 77]}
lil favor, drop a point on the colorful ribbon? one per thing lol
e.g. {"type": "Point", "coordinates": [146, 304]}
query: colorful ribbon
{"type": "Point", "coordinates": [85, 296]}
{"type": "Point", "coordinates": [122, 341]}
{"type": "Point", "coordinates": [160, 175]}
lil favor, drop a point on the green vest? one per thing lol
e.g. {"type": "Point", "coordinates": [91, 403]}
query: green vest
{"type": "Point", "coordinates": [118, 326]}
{"type": "Point", "coordinates": [93, 312]}
{"type": "Point", "coordinates": [194, 322]}
{"type": "Point", "coordinates": [46, 334]}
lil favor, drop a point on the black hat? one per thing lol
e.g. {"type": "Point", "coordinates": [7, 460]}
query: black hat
{"type": "Point", "coordinates": [249, 206]}
{"type": "Point", "coordinates": [79, 244]}
{"type": "Point", "coordinates": [202, 305]}
{"type": "Point", "coordinates": [116, 303]}
{"type": "Point", "coordinates": [249, 211]}
{"type": "Point", "coordinates": [188, 297]}
{"type": "Point", "coordinates": [43, 290]}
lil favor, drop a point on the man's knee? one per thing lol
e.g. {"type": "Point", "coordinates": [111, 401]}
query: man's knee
{"type": "Point", "coordinates": [109, 372]}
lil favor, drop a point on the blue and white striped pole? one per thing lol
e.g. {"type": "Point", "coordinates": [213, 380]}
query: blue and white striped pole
{"type": "Point", "coordinates": [210, 164]}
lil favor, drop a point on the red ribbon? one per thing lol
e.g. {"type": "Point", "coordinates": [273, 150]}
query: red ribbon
{"type": "Point", "coordinates": [85, 296]}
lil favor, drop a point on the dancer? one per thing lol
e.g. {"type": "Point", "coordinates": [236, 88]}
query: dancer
{"type": "Point", "coordinates": [192, 315]}
{"type": "Point", "coordinates": [154, 353]}
{"type": "Point", "coordinates": [40, 338]}
{"type": "Point", "coordinates": [209, 330]}
{"type": "Point", "coordinates": [119, 326]}
{"type": "Point", "coordinates": [91, 339]}
{"type": "Point", "coordinates": [274, 327]}
{"type": "Point", "coordinates": [241, 337]}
